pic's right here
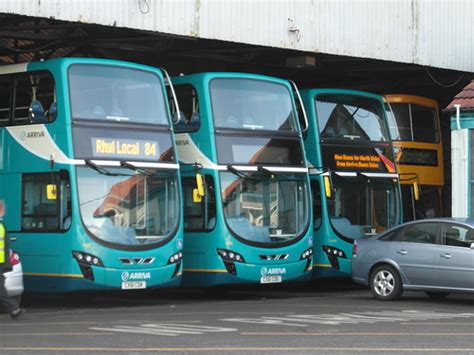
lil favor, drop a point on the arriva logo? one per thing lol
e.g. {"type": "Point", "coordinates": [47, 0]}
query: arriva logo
{"type": "Point", "coordinates": [126, 276]}
{"type": "Point", "coordinates": [272, 271]}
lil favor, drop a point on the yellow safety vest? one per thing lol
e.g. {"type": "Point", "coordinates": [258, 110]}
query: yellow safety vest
{"type": "Point", "coordinates": [3, 251]}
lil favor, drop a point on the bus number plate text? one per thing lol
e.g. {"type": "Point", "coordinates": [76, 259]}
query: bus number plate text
{"type": "Point", "coordinates": [133, 285]}
{"type": "Point", "coordinates": [270, 279]}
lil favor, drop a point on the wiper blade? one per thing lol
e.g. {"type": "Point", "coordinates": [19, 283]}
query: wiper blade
{"type": "Point", "coordinates": [252, 175]}
{"type": "Point", "coordinates": [102, 170]}
{"type": "Point", "coordinates": [238, 173]}
{"type": "Point", "coordinates": [135, 168]}
{"type": "Point", "coordinates": [265, 171]}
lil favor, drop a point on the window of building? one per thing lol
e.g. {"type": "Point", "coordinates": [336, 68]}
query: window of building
{"type": "Point", "coordinates": [189, 107]}
{"type": "Point", "coordinates": [46, 202]}
{"type": "Point", "coordinates": [199, 215]}
{"type": "Point", "coordinates": [34, 99]}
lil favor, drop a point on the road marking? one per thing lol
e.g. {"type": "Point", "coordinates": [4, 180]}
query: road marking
{"type": "Point", "coordinates": [427, 323]}
{"type": "Point", "coordinates": [19, 324]}
{"type": "Point", "coordinates": [53, 334]}
{"type": "Point", "coordinates": [353, 334]}
{"type": "Point", "coordinates": [303, 320]}
{"type": "Point", "coordinates": [241, 349]}
{"type": "Point", "coordinates": [165, 329]}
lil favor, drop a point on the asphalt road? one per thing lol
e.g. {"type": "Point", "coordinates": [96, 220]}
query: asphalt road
{"type": "Point", "coordinates": [330, 318]}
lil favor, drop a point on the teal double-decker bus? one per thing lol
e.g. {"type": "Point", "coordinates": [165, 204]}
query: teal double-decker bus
{"type": "Point", "coordinates": [89, 173]}
{"type": "Point", "coordinates": [245, 180]}
{"type": "Point", "coordinates": [354, 181]}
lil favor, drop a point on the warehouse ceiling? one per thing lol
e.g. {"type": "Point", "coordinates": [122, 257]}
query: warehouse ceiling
{"type": "Point", "coordinates": [24, 39]}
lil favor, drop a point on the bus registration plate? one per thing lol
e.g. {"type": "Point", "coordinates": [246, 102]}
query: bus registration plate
{"type": "Point", "coordinates": [133, 285]}
{"type": "Point", "coordinates": [270, 279]}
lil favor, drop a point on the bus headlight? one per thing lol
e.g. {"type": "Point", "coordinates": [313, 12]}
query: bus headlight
{"type": "Point", "coordinates": [175, 258]}
{"type": "Point", "coordinates": [229, 255]}
{"type": "Point", "coordinates": [307, 254]}
{"type": "Point", "coordinates": [334, 252]}
{"type": "Point", "coordinates": [87, 259]}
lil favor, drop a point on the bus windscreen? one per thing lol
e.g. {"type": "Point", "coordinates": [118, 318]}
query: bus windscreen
{"type": "Point", "coordinates": [351, 117]}
{"type": "Point", "coordinates": [251, 104]}
{"type": "Point", "coordinates": [117, 94]}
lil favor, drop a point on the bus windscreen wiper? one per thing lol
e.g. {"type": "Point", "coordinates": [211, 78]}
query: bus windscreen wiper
{"type": "Point", "coordinates": [252, 175]}
{"type": "Point", "coordinates": [135, 168]}
{"type": "Point", "coordinates": [102, 170]}
{"type": "Point", "coordinates": [238, 173]}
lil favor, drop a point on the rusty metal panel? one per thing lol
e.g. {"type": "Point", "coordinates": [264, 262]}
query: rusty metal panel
{"type": "Point", "coordinates": [437, 33]}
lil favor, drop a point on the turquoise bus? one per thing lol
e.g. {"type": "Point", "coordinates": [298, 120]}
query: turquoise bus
{"type": "Point", "coordinates": [89, 173]}
{"type": "Point", "coordinates": [354, 181]}
{"type": "Point", "coordinates": [247, 215]}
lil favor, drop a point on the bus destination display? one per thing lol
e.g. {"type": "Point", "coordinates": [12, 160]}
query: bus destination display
{"type": "Point", "coordinates": [124, 148]}
{"type": "Point", "coordinates": [357, 161]}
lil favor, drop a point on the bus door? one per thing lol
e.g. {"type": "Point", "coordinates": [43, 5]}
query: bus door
{"type": "Point", "coordinates": [45, 217]}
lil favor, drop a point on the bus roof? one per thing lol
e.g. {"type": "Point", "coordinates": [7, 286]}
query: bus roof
{"type": "Point", "coordinates": [208, 76]}
{"type": "Point", "coordinates": [314, 92]}
{"type": "Point", "coordinates": [24, 67]}
{"type": "Point", "coordinates": [419, 100]}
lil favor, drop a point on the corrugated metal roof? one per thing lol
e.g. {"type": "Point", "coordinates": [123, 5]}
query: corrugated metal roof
{"type": "Point", "coordinates": [426, 32]}
{"type": "Point", "coordinates": [465, 98]}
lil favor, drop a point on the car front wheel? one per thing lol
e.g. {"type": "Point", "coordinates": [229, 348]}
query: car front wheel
{"type": "Point", "coordinates": [385, 283]}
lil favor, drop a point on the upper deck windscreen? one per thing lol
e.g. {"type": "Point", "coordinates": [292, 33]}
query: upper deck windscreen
{"type": "Point", "coordinates": [351, 117]}
{"type": "Point", "coordinates": [252, 104]}
{"type": "Point", "coordinates": [100, 92]}
{"type": "Point", "coordinates": [413, 123]}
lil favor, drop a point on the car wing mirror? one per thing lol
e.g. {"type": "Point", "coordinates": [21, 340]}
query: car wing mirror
{"type": "Point", "coordinates": [472, 246]}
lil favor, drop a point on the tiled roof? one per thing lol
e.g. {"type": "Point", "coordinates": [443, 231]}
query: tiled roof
{"type": "Point", "coordinates": [465, 98]}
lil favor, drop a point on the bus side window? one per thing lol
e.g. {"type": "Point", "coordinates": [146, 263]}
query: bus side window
{"type": "Point", "coordinates": [34, 96]}
{"type": "Point", "coordinates": [199, 216]}
{"type": "Point", "coordinates": [316, 193]}
{"type": "Point", "coordinates": [42, 207]}
{"type": "Point", "coordinates": [5, 102]}
{"type": "Point", "coordinates": [189, 107]}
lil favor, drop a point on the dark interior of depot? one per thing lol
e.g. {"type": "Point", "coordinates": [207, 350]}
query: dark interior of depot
{"type": "Point", "coordinates": [25, 39]}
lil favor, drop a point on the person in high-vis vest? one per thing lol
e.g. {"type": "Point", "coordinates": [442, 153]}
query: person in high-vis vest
{"type": "Point", "coordinates": [9, 303]}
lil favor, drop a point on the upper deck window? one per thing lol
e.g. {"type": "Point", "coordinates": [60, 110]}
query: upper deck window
{"type": "Point", "coordinates": [112, 93]}
{"type": "Point", "coordinates": [351, 117]}
{"type": "Point", "coordinates": [252, 104]}
{"type": "Point", "coordinates": [414, 123]}
{"type": "Point", "coordinates": [189, 105]}
{"type": "Point", "coordinates": [5, 102]}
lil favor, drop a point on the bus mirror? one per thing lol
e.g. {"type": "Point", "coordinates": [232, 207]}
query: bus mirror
{"type": "Point", "coordinates": [327, 187]}
{"type": "Point", "coordinates": [198, 192]}
{"type": "Point", "coordinates": [416, 190]}
{"type": "Point", "coordinates": [51, 192]}
{"type": "Point", "coordinates": [197, 198]}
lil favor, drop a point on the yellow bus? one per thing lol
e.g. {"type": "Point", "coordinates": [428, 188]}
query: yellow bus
{"type": "Point", "coordinates": [416, 134]}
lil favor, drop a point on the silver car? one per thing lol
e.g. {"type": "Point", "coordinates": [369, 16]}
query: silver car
{"type": "Point", "coordinates": [432, 255]}
{"type": "Point", "coordinates": [14, 278]}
